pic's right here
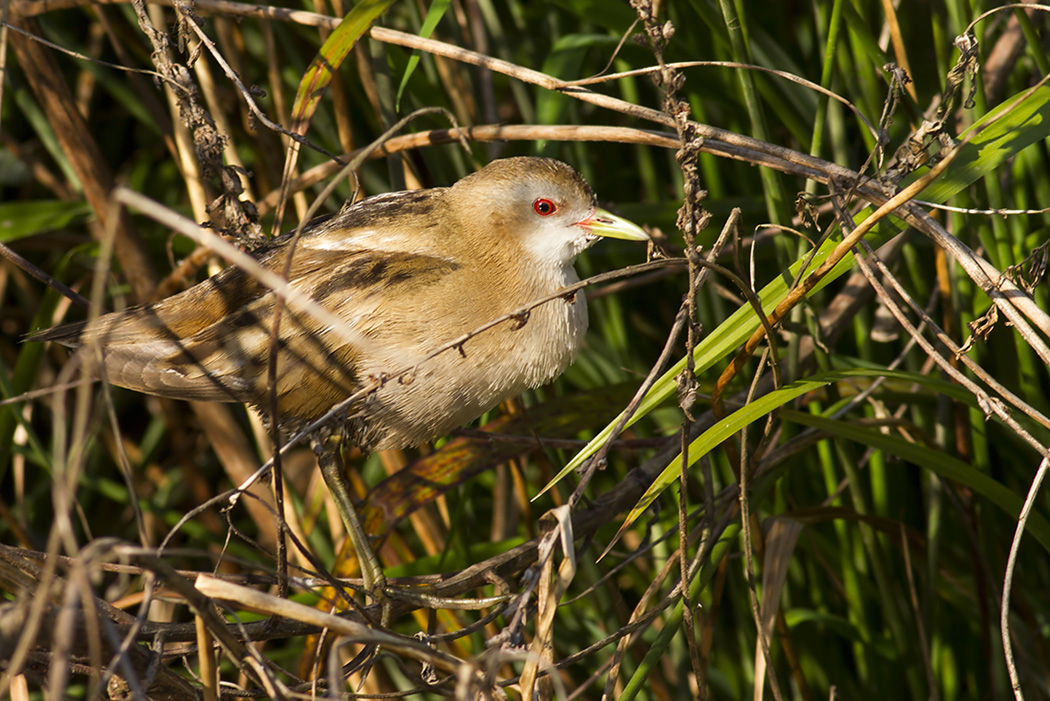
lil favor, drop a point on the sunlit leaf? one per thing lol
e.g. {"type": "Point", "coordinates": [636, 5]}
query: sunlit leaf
{"type": "Point", "coordinates": [434, 15]}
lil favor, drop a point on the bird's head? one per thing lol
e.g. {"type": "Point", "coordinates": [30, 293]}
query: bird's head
{"type": "Point", "coordinates": [539, 205]}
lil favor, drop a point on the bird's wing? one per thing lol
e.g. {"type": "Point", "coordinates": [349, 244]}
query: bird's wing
{"type": "Point", "coordinates": [227, 359]}
{"type": "Point", "coordinates": [211, 342]}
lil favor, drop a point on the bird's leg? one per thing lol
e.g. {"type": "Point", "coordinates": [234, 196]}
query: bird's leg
{"type": "Point", "coordinates": [328, 459]}
{"type": "Point", "coordinates": [327, 449]}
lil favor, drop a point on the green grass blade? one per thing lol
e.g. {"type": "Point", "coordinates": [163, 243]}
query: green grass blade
{"type": "Point", "coordinates": [430, 22]}
{"type": "Point", "coordinates": [330, 57]}
{"type": "Point", "coordinates": [714, 436]}
{"type": "Point", "coordinates": [21, 219]}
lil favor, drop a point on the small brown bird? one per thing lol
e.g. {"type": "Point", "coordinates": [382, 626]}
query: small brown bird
{"type": "Point", "coordinates": [406, 272]}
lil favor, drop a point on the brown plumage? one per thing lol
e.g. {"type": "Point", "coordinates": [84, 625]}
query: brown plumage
{"type": "Point", "coordinates": [406, 272]}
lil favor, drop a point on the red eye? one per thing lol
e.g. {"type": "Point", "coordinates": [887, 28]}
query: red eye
{"type": "Point", "coordinates": [544, 207]}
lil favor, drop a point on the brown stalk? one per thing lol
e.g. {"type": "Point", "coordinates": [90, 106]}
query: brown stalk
{"type": "Point", "coordinates": [796, 295]}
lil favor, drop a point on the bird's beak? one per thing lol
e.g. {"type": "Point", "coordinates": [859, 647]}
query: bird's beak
{"type": "Point", "coordinates": [602, 223]}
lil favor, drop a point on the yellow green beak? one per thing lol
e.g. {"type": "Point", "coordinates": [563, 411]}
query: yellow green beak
{"type": "Point", "coordinates": [603, 223]}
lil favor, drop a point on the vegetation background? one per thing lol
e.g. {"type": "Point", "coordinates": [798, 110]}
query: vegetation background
{"type": "Point", "coordinates": [876, 550]}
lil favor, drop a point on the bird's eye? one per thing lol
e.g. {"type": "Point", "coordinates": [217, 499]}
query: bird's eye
{"type": "Point", "coordinates": [544, 207]}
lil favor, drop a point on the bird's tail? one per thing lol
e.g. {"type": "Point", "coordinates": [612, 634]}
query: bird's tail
{"type": "Point", "coordinates": [66, 334]}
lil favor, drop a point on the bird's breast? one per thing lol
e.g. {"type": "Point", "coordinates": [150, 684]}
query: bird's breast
{"type": "Point", "coordinates": [461, 383]}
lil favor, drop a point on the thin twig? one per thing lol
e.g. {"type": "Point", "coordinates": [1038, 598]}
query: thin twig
{"type": "Point", "coordinates": [1008, 576]}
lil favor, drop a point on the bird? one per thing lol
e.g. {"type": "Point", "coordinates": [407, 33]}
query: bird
{"type": "Point", "coordinates": [406, 273]}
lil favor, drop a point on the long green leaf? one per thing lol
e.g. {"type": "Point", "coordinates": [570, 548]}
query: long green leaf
{"type": "Point", "coordinates": [742, 417]}
{"type": "Point", "coordinates": [21, 219]}
{"type": "Point", "coordinates": [434, 15]}
{"type": "Point", "coordinates": [1022, 126]}
{"type": "Point", "coordinates": [330, 57]}
{"type": "Point", "coordinates": [714, 436]}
